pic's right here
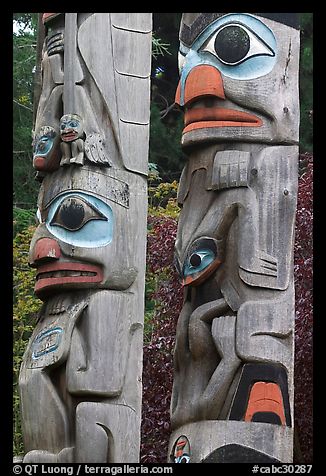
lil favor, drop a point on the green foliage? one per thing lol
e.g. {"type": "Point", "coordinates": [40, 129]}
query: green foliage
{"type": "Point", "coordinates": [22, 219]}
{"type": "Point", "coordinates": [25, 309]}
{"type": "Point", "coordinates": [24, 59]}
{"type": "Point", "coordinates": [164, 146]}
{"type": "Point", "coordinates": [306, 83]}
{"type": "Point", "coordinates": [162, 200]}
{"type": "Point", "coordinates": [25, 21]}
{"type": "Point", "coordinates": [152, 284]}
{"type": "Point", "coordinates": [159, 47]}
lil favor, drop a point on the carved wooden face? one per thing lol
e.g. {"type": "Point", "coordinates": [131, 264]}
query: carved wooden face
{"type": "Point", "coordinates": [71, 127]}
{"type": "Point", "coordinates": [79, 242]}
{"type": "Point", "coordinates": [238, 79]}
{"type": "Point", "coordinates": [45, 153]}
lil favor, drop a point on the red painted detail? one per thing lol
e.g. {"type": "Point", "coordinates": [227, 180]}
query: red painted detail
{"type": "Point", "coordinates": [48, 16]}
{"type": "Point", "coordinates": [207, 124]}
{"type": "Point", "coordinates": [203, 80]}
{"type": "Point", "coordinates": [39, 163]}
{"type": "Point", "coordinates": [45, 164]}
{"type": "Point", "coordinates": [179, 449]}
{"type": "Point", "coordinates": [44, 282]}
{"type": "Point", "coordinates": [265, 397]}
{"type": "Point", "coordinates": [69, 136]}
{"type": "Point", "coordinates": [46, 249]}
{"type": "Point", "coordinates": [49, 163]}
{"type": "Point", "coordinates": [198, 278]}
{"type": "Point", "coordinates": [219, 117]}
{"type": "Point", "coordinates": [178, 94]}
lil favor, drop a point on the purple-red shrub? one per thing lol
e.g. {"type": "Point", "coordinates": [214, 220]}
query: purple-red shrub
{"type": "Point", "coordinates": [158, 365]}
{"type": "Point", "coordinates": [303, 261]}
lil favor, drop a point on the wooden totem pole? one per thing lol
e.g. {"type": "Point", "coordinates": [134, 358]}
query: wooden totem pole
{"type": "Point", "coordinates": [80, 381]}
{"type": "Point", "coordinates": [232, 397]}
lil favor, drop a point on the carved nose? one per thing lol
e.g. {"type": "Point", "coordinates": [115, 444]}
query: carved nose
{"type": "Point", "coordinates": [203, 80]}
{"type": "Point", "coordinates": [46, 249]}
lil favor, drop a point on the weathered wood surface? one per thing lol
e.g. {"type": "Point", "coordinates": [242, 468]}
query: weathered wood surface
{"type": "Point", "coordinates": [232, 398]}
{"type": "Point", "coordinates": [80, 380]}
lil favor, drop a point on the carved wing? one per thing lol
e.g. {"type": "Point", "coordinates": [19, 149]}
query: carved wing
{"type": "Point", "coordinates": [95, 151]}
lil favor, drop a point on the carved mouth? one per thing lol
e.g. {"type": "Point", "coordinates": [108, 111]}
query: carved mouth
{"type": "Point", "coordinates": [50, 276]}
{"type": "Point", "coordinates": [206, 113]}
{"type": "Point", "coordinates": [69, 135]}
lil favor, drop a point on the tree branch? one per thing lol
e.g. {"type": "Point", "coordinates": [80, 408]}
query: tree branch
{"type": "Point", "coordinates": [22, 105]}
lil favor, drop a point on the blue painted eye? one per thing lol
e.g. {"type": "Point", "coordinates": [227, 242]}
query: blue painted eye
{"type": "Point", "coordinates": [73, 124]}
{"type": "Point", "coordinates": [80, 219]}
{"type": "Point", "coordinates": [239, 45]}
{"type": "Point", "coordinates": [198, 261]}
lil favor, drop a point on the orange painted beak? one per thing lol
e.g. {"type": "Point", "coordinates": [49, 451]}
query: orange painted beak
{"type": "Point", "coordinates": [206, 81]}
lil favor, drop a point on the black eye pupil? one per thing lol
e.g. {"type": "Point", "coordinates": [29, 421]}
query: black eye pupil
{"type": "Point", "coordinates": [195, 260]}
{"type": "Point", "coordinates": [72, 214]}
{"type": "Point", "coordinates": [232, 44]}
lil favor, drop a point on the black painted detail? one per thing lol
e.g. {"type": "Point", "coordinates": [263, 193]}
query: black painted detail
{"type": "Point", "coordinates": [238, 454]}
{"type": "Point", "coordinates": [74, 212]}
{"type": "Point", "coordinates": [232, 44]}
{"type": "Point", "coordinates": [195, 259]}
{"type": "Point", "coordinates": [252, 373]}
{"type": "Point", "coordinates": [189, 33]}
{"type": "Point", "coordinates": [266, 417]}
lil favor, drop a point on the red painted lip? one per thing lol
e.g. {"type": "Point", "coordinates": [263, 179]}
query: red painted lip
{"type": "Point", "coordinates": [199, 118]}
{"type": "Point", "coordinates": [198, 278]}
{"type": "Point", "coordinates": [69, 136]}
{"type": "Point", "coordinates": [56, 274]}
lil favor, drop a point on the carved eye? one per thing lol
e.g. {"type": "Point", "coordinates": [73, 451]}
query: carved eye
{"type": "Point", "coordinates": [43, 145]}
{"type": "Point", "coordinates": [200, 261]}
{"type": "Point", "coordinates": [74, 212]}
{"type": "Point", "coordinates": [234, 43]}
{"type": "Point", "coordinates": [80, 219]}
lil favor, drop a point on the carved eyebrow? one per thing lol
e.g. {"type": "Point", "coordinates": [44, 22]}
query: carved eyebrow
{"type": "Point", "coordinates": [188, 34]}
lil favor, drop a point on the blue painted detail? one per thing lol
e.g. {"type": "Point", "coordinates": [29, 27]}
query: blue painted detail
{"type": "Point", "coordinates": [43, 146]}
{"type": "Point", "coordinates": [250, 68]}
{"type": "Point", "coordinates": [94, 233]}
{"type": "Point", "coordinates": [46, 342]}
{"type": "Point", "coordinates": [207, 256]}
{"type": "Point", "coordinates": [184, 458]}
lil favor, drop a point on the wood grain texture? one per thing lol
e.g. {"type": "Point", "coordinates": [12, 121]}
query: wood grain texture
{"type": "Point", "coordinates": [206, 436]}
{"type": "Point", "coordinates": [107, 432]}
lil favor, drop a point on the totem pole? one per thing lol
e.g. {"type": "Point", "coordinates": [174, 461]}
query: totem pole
{"type": "Point", "coordinates": [80, 381]}
{"type": "Point", "coordinates": [232, 398]}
